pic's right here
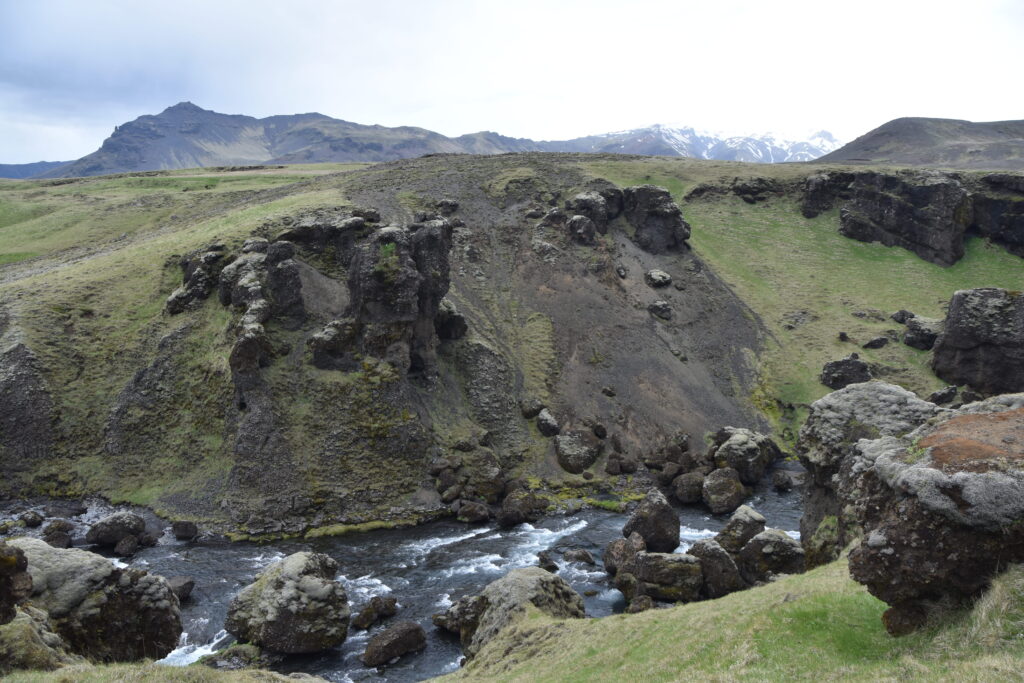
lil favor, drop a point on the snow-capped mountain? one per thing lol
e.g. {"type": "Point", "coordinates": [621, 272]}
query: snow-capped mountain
{"type": "Point", "coordinates": [186, 136]}
{"type": "Point", "coordinates": [691, 142]}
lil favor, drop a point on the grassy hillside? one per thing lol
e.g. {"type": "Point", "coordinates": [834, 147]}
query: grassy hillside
{"type": "Point", "coordinates": [808, 283]}
{"type": "Point", "coordinates": [812, 627]}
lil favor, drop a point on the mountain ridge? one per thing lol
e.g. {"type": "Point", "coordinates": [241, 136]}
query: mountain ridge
{"type": "Point", "coordinates": [950, 143]}
{"type": "Point", "coordinates": [185, 136]}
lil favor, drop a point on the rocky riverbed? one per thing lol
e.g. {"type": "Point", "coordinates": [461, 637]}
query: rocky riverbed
{"type": "Point", "coordinates": [426, 568]}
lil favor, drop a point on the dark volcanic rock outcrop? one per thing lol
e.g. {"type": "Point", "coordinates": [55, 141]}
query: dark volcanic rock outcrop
{"type": "Point", "coordinates": [102, 612]}
{"type": "Point", "coordinates": [397, 280]}
{"type": "Point", "coordinates": [657, 220]}
{"type": "Point", "coordinates": [927, 217]}
{"type": "Point", "coordinates": [746, 451]}
{"type": "Point", "coordinates": [26, 430]}
{"type": "Point", "coordinates": [927, 212]}
{"type": "Point", "coordinates": [200, 273]}
{"type": "Point", "coordinates": [943, 508]}
{"type": "Point", "coordinates": [294, 607]}
{"type": "Point", "coordinates": [837, 374]}
{"type": "Point", "coordinates": [346, 375]}
{"type": "Point", "coordinates": [982, 344]}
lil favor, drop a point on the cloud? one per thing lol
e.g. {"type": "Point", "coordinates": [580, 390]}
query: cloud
{"type": "Point", "coordinates": [545, 70]}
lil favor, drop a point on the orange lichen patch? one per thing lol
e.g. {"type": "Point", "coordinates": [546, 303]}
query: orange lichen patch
{"type": "Point", "coordinates": [978, 443]}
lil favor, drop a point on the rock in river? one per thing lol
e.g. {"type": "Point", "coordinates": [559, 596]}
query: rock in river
{"type": "Point", "coordinates": [294, 607]}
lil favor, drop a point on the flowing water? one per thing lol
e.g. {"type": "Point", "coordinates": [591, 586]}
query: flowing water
{"type": "Point", "coordinates": [426, 568]}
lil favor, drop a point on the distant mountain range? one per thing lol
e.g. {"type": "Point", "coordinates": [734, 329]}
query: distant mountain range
{"type": "Point", "coordinates": [947, 143]}
{"type": "Point", "coordinates": [187, 136]}
{"type": "Point", "coordinates": [29, 170]}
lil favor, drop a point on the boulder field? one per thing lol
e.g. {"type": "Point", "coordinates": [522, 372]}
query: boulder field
{"type": "Point", "coordinates": [743, 554]}
{"type": "Point", "coordinates": [979, 345]}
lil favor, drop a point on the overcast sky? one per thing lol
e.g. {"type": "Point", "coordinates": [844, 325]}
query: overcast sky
{"type": "Point", "coordinates": [72, 70]}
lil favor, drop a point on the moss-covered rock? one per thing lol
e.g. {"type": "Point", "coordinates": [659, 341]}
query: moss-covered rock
{"type": "Point", "coordinates": [294, 607]}
{"type": "Point", "coordinates": [27, 643]}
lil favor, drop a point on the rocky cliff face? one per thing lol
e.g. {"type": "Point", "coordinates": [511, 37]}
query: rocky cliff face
{"type": "Point", "coordinates": [376, 356]}
{"type": "Point", "coordinates": [927, 212]}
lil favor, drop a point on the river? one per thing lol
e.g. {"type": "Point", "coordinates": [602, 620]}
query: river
{"type": "Point", "coordinates": [425, 568]}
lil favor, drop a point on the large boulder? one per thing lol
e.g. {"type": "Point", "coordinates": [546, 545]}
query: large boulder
{"type": "Point", "coordinates": [102, 612]}
{"type": "Point", "coordinates": [744, 524]}
{"type": "Point", "coordinates": [592, 205]}
{"type": "Point", "coordinates": [577, 451]}
{"type": "Point", "coordinates": [394, 641]}
{"type": "Point", "coordinates": [477, 619]}
{"type": "Point", "coordinates": [688, 488]}
{"type": "Point", "coordinates": [672, 577]}
{"type": "Point", "coordinates": [943, 509]}
{"type": "Point", "coordinates": [837, 374]}
{"type": "Point", "coordinates": [521, 506]}
{"type": "Point", "coordinates": [826, 446]}
{"type": "Point", "coordinates": [982, 344]}
{"type": "Point", "coordinates": [656, 522]}
{"type": "Point", "coordinates": [723, 491]}
{"type": "Point", "coordinates": [378, 609]}
{"type": "Point", "coordinates": [621, 550]}
{"type": "Point", "coordinates": [770, 553]}
{"type": "Point", "coordinates": [293, 607]}
{"type": "Point", "coordinates": [746, 451]}
{"type": "Point", "coordinates": [657, 220]}
{"type": "Point", "coordinates": [721, 575]}
{"type": "Point", "coordinates": [110, 530]}
{"type": "Point", "coordinates": [922, 333]}
{"type": "Point", "coordinates": [581, 230]}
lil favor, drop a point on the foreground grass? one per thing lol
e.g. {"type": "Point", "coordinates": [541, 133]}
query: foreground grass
{"type": "Point", "coordinates": [142, 673]}
{"type": "Point", "coordinates": [816, 626]}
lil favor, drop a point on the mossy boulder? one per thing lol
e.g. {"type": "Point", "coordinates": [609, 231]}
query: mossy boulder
{"type": "Point", "coordinates": [672, 577]}
{"type": "Point", "coordinates": [477, 619]}
{"type": "Point", "coordinates": [102, 612]}
{"type": "Point", "coordinates": [28, 643]}
{"type": "Point", "coordinates": [770, 553]}
{"type": "Point", "coordinates": [294, 607]}
{"type": "Point", "coordinates": [240, 656]}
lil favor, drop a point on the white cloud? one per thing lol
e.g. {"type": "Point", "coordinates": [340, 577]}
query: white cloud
{"type": "Point", "coordinates": [546, 70]}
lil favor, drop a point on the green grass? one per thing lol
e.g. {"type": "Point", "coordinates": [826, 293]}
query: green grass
{"type": "Point", "coordinates": [141, 673]}
{"type": "Point", "coordinates": [780, 263]}
{"type": "Point", "coordinates": [811, 627]}
{"type": "Point", "coordinates": [14, 257]}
